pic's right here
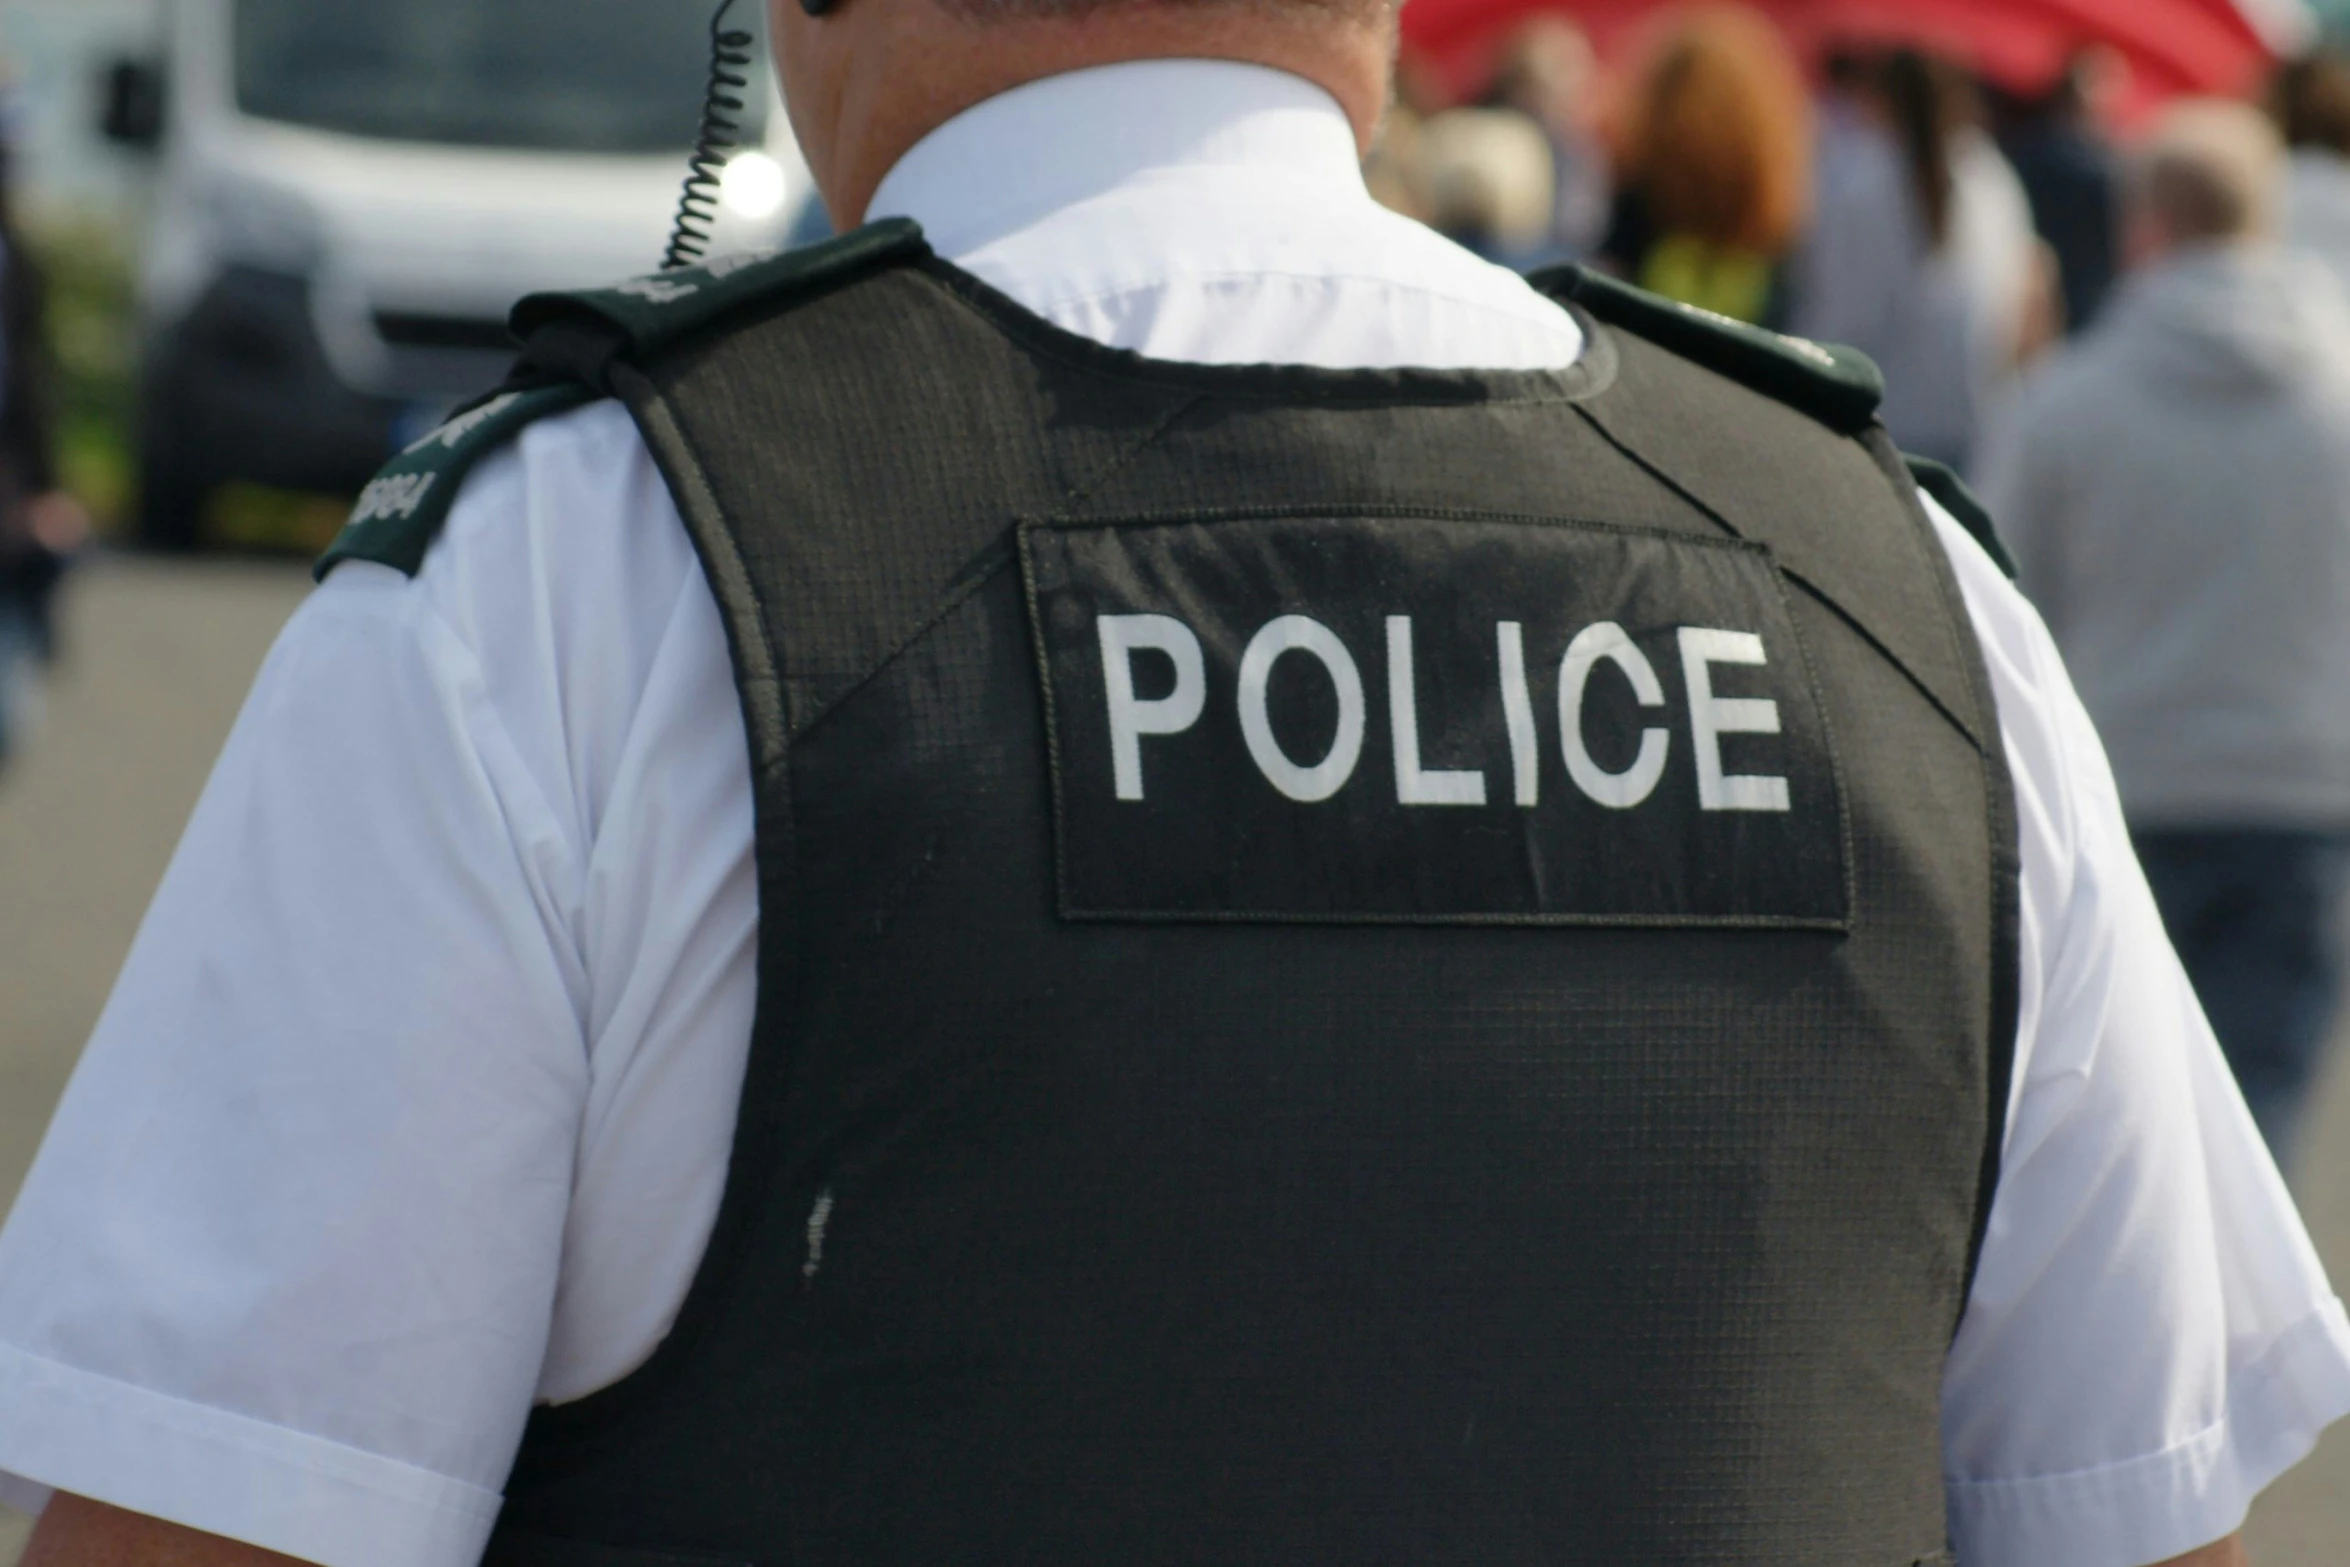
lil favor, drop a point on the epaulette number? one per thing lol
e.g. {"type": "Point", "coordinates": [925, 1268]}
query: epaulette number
{"type": "Point", "coordinates": [394, 496]}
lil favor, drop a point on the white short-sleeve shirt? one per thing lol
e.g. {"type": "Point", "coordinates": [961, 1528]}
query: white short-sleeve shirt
{"type": "Point", "coordinates": [413, 1105]}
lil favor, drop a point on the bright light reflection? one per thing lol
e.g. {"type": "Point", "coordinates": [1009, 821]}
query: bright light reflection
{"type": "Point", "coordinates": [753, 186]}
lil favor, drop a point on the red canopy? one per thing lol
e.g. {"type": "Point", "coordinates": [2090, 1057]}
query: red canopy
{"type": "Point", "coordinates": [2172, 46]}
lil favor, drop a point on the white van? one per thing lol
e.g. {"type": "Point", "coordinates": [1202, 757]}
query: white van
{"type": "Point", "coordinates": [352, 194]}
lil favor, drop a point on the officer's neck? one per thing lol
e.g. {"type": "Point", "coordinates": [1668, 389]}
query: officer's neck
{"type": "Point", "coordinates": [872, 78]}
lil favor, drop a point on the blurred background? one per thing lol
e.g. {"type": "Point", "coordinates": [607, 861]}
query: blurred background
{"type": "Point", "coordinates": [250, 248]}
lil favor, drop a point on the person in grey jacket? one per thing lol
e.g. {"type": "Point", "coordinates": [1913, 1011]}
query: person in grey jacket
{"type": "Point", "coordinates": [2177, 492]}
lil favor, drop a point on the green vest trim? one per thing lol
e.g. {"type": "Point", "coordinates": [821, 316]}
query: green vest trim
{"type": "Point", "coordinates": [653, 312]}
{"type": "Point", "coordinates": [1965, 507]}
{"type": "Point", "coordinates": [1841, 387]}
{"type": "Point", "coordinates": [404, 509]}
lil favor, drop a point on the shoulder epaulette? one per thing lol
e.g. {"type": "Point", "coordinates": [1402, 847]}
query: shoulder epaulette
{"type": "Point", "coordinates": [404, 509]}
{"type": "Point", "coordinates": [652, 312]}
{"type": "Point", "coordinates": [1840, 387]}
{"type": "Point", "coordinates": [1965, 508]}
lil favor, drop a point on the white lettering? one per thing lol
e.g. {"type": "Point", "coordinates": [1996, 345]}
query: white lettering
{"type": "Point", "coordinates": [453, 434]}
{"type": "Point", "coordinates": [1517, 703]}
{"type": "Point", "coordinates": [658, 291]}
{"type": "Point", "coordinates": [725, 267]}
{"type": "Point", "coordinates": [1132, 718]}
{"type": "Point", "coordinates": [396, 495]}
{"type": "Point", "coordinates": [1297, 634]}
{"type": "Point", "coordinates": [1607, 643]}
{"type": "Point", "coordinates": [1414, 785]}
{"type": "Point", "coordinates": [1711, 717]}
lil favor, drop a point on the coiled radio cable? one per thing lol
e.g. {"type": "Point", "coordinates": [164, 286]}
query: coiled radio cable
{"type": "Point", "coordinates": [723, 108]}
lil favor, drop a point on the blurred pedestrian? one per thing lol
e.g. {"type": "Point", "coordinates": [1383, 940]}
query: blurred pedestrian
{"type": "Point", "coordinates": [1925, 256]}
{"type": "Point", "coordinates": [40, 526]}
{"type": "Point", "coordinates": [1487, 184]}
{"type": "Point", "coordinates": [2072, 177]}
{"type": "Point", "coordinates": [2310, 100]}
{"type": "Point", "coordinates": [1716, 167]}
{"type": "Point", "coordinates": [1550, 74]}
{"type": "Point", "coordinates": [2177, 488]}
{"type": "Point", "coordinates": [1857, 263]}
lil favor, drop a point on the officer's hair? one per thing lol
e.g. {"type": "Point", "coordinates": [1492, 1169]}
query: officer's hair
{"type": "Point", "coordinates": [2213, 171]}
{"type": "Point", "coordinates": [1007, 10]}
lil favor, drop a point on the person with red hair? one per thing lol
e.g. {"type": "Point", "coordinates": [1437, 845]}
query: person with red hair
{"type": "Point", "coordinates": [1716, 166]}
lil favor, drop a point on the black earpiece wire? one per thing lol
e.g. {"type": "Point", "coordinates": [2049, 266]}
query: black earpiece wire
{"type": "Point", "coordinates": [732, 52]}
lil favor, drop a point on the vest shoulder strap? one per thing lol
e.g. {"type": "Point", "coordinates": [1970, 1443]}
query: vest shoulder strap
{"type": "Point", "coordinates": [651, 313]}
{"type": "Point", "coordinates": [1840, 387]}
{"type": "Point", "coordinates": [567, 338]}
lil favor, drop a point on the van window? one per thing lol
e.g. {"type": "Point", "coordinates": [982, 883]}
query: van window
{"type": "Point", "coordinates": [615, 76]}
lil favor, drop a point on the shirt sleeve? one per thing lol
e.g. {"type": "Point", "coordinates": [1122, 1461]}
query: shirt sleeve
{"type": "Point", "coordinates": [251, 1285]}
{"type": "Point", "coordinates": [2152, 1339]}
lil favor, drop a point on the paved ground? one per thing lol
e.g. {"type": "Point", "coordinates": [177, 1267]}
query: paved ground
{"type": "Point", "coordinates": [162, 657]}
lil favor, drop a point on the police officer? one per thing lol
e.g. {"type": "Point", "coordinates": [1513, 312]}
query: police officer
{"type": "Point", "coordinates": [1138, 868]}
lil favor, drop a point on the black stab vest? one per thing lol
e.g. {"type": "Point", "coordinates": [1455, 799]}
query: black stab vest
{"type": "Point", "coordinates": [1254, 1139]}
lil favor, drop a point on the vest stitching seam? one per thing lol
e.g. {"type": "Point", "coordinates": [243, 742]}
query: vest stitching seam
{"type": "Point", "coordinates": [1792, 574]}
{"type": "Point", "coordinates": [2006, 869]}
{"type": "Point", "coordinates": [1935, 560]}
{"type": "Point", "coordinates": [953, 602]}
{"type": "Point", "coordinates": [957, 597]}
{"type": "Point", "coordinates": [705, 494]}
{"type": "Point", "coordinates": [1827, 720]}
{"type": "Point", "coordinates": [1828, 601]}
{"type": "Point", "coordinates": [1080, 493]}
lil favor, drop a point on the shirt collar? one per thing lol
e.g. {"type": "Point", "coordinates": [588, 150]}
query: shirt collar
{"type": "Point", "coordinates": [1007, 162]}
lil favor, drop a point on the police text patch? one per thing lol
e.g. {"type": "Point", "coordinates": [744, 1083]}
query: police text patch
{"type": "Point", "coordinates": [1423, 721]}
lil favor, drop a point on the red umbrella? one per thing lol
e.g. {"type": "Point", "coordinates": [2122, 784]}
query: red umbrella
{"type": "Point", "coordinates": [2172, 46]}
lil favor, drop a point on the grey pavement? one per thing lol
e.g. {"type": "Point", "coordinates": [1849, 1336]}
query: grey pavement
{"type": "Point", "coordinates": [161, 656]}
